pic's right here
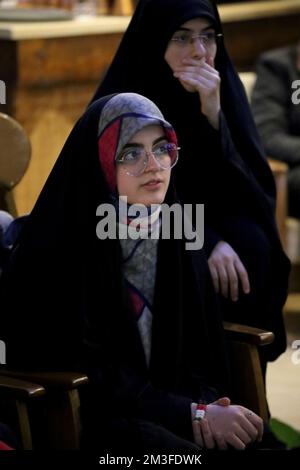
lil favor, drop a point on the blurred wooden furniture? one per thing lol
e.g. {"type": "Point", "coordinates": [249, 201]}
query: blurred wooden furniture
{"type": "Point", "coordinates": [15, 396]}
{"type": "Point", "coordinates": [15, 152]}
{"type": "Point", "coordinates": [122, 7]}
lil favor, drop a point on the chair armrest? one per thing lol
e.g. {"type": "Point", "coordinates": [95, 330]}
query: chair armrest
{"type": "Point", "coordinates": [248, 334]}
{"type": "Point", "coordinates": [58, 380]}
{"type": "Point", "coordinates": [19, 389]}
{"type": "Point", "coordinates": [278, 167]}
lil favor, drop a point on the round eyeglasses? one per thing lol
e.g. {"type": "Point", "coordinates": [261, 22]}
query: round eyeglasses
{"type": "Point", "coordinates": [135, 160]}
{"type": "Point", "coordinates": [207, 39]}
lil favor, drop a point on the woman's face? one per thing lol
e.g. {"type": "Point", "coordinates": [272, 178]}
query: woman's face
{"type": "Point", "coordinates": [181, 50]}
{"type": "Point", "coordinates": [151, 186]}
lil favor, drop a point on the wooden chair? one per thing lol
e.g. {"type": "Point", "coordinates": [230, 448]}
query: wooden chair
{"type": "Point", "coordinates": [60, 426]}
{"type": "Point", "coordinates": [247, 378]}
{"type": "Point", "coordinates": [15, 153]}
{"type": "Point", "coordinates": [15, 397]}
{"type": "Point", "coordinates": [55, 422]}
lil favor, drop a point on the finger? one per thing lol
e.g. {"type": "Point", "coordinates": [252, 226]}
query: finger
{"type": "Point", "coordinates": [250, 429]}
{"type": "Point", "coordinates": [220, 441]}
{"type": "Point", "coordinates": [197, 434]}
{"type": "Point", "coordinates": [194, 62]}
{"type": "Point", "coordinates": [207, 63]}
{"type": "Point", "coordinates": [200, 83]}
{"type": "Point", "coordinates": [243, 275]}
{"type": "Point", "coordinates": [223, 279]}
{"type": "Point", "coordinates": [210, 61]}
{"type": "Point", "coordinates": [235, 442]}
{"type": "Point", "coordinates": [214, 276]}
{"type": "Point", "coordinates": [258, 423]}
{"type": "Point", "coordinates": [243, 435]}
{"type": "Point", "coordinates": [199, 71]}
{"type": "Point", "coordinates": [198, 79]}
{"type": "Point", "coordinates": [207, 434]}
{"type": "Point", "coordinates": [251, 418]}
{"type": "Point", "coordinates": [233, 282]}
{"type": "Point", "coordinates": [223, 401]}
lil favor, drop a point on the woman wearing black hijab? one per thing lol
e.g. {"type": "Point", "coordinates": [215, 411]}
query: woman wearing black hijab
{"type": "Point", "coordinates": [138, 316]}
{"type": "Point", "coordinates": [173, 52]}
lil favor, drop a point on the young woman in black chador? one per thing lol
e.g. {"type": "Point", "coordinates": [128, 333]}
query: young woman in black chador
{"type": "Point", "coordinates": [137, 315]}
{"type": "Point", "coordinates": [173, 53]}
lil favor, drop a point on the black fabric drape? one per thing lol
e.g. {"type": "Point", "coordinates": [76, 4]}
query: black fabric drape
{"type": "Point", "coordinates": [226, 169]}
{"type": "Point", "coordinates": [65, 305]}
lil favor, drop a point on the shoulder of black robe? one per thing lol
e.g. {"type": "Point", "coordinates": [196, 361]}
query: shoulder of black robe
{"type": "Point", "coordinates": [66, 306]}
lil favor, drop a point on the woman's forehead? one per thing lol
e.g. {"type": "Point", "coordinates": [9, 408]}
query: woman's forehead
{"type": "Point", "coordinates": [198, 23]}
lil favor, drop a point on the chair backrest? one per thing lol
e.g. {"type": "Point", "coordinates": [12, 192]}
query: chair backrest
{"type": "Point", "coordinates": [15, 153]}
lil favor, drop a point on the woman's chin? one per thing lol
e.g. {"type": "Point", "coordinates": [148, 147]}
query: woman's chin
{"type": "Point", "coordinates": [150, 200]}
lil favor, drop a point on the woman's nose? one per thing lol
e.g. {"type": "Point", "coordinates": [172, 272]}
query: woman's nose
{"type": "Point", "coordinates": [152, 163]}
{"type": "Point", "coordinates": [198, 48]}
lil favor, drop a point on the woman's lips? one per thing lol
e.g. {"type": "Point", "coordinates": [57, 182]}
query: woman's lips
{"type": "Point", "coordinates": [152, 184]}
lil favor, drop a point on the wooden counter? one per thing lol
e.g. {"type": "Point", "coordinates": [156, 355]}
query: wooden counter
{"type": "Point", "coordinates": [252, 28]}
{"type": "Point", "coordinates": [51, 70]}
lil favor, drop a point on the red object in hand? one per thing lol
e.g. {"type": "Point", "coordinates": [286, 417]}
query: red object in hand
{"type": "Point", "coordinates": [201, 407]}
{"type": "Point", "coordinates": [200, 412]}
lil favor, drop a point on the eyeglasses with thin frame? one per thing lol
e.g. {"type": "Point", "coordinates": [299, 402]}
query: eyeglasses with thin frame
{"type": "Point", "coordinates": [185, 38]}
{"type": "Point", "coordinates": [135, 159]}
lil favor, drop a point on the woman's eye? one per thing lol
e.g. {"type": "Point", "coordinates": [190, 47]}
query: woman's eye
{"type": "Point", "coordinates": [181, 37]}
{"type": "Point", "coordinates": [131, 156]}
{"type": "Point", "coordinates": [210, 36]}
{"type": "Point", "coordinates": [161, 150]}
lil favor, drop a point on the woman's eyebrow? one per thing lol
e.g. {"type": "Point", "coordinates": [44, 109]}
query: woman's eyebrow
{"type": "Point", "coordinates": [136, 144]}
{"type": "Point", "coordinates": [191, 30]}
{"type": "Point", "coordinates": [159, 139]}
{"type": "Point", "coordinates": [132, 144]}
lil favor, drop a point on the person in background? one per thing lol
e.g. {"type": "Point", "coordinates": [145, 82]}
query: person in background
{"type": "Point", "coordinates": [276, 109]}
{"type": "Point", "coordinates": [185, 69]}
